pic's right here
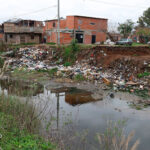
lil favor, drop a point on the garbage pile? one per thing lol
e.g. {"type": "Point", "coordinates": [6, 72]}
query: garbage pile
{"type": "Point", "coordinates": [126, 75]}
{"type": "Point", "coordinates": [121, 74]}
{"type": "Point", "coordinates": [31, 58]}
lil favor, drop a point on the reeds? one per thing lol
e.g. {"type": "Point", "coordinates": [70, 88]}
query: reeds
{"type": "Point", "coordinates": [114, 138]}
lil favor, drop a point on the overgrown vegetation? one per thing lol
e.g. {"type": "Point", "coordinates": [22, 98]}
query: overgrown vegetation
{"type": "Point", "coordinates": [114, 138]}
{"type": "Point", "coordinates": [18, 126]}
{"type": "Point", "coordinates": [66, 64]}
{"type": "Point", "coordinates": [24, 74]}
{"type": "Point", "coordinates": [139, 92]}
{"type": "Point", "coordinates": [70, 52]}
{"type": "Point", "coordinates": [138, 44]}
{"type": "Point", "coordinates": [52, 72]}
{"type": "Point", "coordinates": [141, 75]}
{"type": "Point", "coordinates": [79, 77]}
{"type": "Point", "coordinates": [51, 43]}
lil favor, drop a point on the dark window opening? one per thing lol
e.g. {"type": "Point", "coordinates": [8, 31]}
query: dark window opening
{"type": "Point", "coordinates": [54, 24]}
{"type": "Point", "coordinates": [32, 37]}
{"type": "Point", "coordinates": [31, 23]}
{"type": "Point", "coordinates": [11, 36]}
{"type": "Point", "coordinates": [92, 23]}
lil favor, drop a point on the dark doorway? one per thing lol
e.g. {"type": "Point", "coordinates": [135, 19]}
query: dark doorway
{"type": "Point", "coordinates": [79, 37]}
{"type": "Point", "coordinates": [93, 39]}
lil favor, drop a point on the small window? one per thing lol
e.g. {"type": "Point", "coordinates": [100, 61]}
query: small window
{"type": "Point", "coordinates": [32, 37]}
{"type": "Point", "coordinates": [11, 36]}
{"type": "Point", "coordinates": [92, 23]}
{"type": "Point", "coordinates": [79, 21]}
{"type": "Point", "coordinates": [54, 24]}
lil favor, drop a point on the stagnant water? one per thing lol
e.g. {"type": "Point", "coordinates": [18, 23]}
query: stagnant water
{"type": "Point", "coordinates": [82, 113]}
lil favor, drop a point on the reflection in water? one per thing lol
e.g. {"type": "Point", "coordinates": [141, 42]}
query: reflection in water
{"type": "Point", "coordinates": [88, 113]}
{"type": "Point", "coordinates": [20, 88]}
{"type": "Point", "coordinates": [74, 96]}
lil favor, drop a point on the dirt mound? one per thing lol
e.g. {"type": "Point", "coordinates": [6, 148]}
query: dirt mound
{"type": "Point", "coordinates": [129, 58]}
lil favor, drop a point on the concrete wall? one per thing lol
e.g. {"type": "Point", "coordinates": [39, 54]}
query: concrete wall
{"type": "Point", "coordinates": [22, 38]}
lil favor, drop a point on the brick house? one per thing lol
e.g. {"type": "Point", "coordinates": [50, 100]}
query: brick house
{"type": "Point", "coordinates": [87, 30]}
{"type": "Point", "coordinates": [17, 31]}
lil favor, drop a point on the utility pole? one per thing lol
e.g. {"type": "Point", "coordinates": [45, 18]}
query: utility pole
{"type": "Point", "coordinates": [58, 25]}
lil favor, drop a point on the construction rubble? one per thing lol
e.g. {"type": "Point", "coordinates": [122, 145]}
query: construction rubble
{"type": "Point", "coordinates": [120, 75]}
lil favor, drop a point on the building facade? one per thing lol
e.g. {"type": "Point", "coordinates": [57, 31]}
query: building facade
{"type": "Point", "coordinates": [19, 31]}
{"type": "Point", "coordinates": [87, 30]}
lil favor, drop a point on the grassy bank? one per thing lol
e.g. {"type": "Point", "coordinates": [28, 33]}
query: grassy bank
{"type": "Point", "coordinates": [19, 126]}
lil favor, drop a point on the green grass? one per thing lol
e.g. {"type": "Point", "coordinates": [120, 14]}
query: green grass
{"type": "Point", "coordinates": [52, 72]}
{"type": "Point", "coordinates": [26, 44]}
{"type": "Point", "coordinates": [19, 125]}
{"type": "Point", "coordinates": [66, 64]}
{"type": "Point", "coordinates": [145, 74]}
{"type": "Point", "coordinates": [15, 139]}
{"type": "Point", "coordinates": [25, 74]}
{"type": "Point", "coordinates": [51, 43]}
{"type": "Point", "coordinates": [139, 44]}
{"type": "Point", "coordinates": [79, 77]}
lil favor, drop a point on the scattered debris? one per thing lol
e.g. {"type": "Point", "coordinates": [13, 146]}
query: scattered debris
{"type": "Point", "coordinates": [121, 74]}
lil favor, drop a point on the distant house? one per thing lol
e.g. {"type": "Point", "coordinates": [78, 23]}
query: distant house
{"type": "Point", "coordinates": [141, 34]}
{"type": "Point", "coordinates": [87, 30]}
{"type": "Point", "coordinates": [17, 31]}
{"type": "Point", "coordinates": [114, 36]}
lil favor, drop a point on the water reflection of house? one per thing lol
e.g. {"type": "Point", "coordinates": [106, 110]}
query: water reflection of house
{"type": "Point", "coordinates": [75, 96]}
{"type": "Point", "coordinates": [78, 98]}
{"type": "Point", "coordinates": [18, 31]}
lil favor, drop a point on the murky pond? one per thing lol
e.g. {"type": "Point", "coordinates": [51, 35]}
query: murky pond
{"type": "Point", "coordinates": [82, 112]}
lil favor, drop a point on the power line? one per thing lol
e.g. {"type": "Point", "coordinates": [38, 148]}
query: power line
{"type": "Point", "coordinates": [117, 4]}
{"type": "Point", "coordinates": [32, 12]}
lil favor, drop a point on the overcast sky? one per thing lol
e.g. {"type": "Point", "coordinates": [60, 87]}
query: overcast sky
{"type": "Point", "coordinates": [114, 10]}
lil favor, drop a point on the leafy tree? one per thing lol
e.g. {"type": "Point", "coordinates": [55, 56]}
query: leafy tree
{"type": "Point", "coordinates": [126, 28]}
{"type": "Point", "coordinates": [144, 21]}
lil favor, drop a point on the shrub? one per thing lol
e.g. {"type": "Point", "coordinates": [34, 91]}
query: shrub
{"type": "Point", "coordinates": [79, 77]}
{"type": "Point", "coordinates": [66, 64]}
{"type": "Point", "coordinates": [53, 71]}
{"type": "Point", "coordinates": [71, 51]}
{"type": "Point", "coordinates": [140, 75]}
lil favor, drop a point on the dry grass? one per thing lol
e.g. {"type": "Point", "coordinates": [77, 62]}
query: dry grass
{"type": "Point", "coordinates": [114, 139]}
